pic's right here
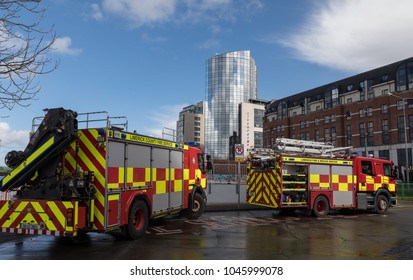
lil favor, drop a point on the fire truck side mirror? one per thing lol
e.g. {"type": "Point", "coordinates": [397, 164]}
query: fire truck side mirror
{"type": "Point", "coordinates": [395, 173]}
{"type": "Point", "coordinates": [208, 162]}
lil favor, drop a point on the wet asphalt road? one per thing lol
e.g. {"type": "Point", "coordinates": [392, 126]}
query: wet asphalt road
{"type": "Point", "coordinates": [238, 235]}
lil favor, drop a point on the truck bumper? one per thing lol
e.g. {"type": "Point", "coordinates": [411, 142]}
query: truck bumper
{"type": "Point", "coordinates": [42, 217]}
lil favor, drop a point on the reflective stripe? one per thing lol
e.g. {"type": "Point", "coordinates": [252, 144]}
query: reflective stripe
{"type": "Point", "coordinates": [28, 161]}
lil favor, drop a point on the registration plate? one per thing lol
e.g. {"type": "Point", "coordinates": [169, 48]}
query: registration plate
{"type": "Point", "coordinates": [29, 226]}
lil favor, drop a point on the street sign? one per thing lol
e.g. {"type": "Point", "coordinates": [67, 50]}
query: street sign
{"type": "Point", "coordinates": [239, 152]}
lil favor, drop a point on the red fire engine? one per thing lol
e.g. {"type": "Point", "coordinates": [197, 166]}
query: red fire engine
{"type": "Point", "coordinates": [312, 175]}
{"type": "Point", "coordinates": [72, 180]}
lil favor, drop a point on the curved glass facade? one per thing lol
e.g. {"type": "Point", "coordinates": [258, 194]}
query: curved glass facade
{"type": "Point", "coordinates": [231, 79]}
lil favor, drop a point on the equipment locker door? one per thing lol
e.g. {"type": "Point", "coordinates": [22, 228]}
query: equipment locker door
{"type": "Point", "coordinates": [175, 179]}
{"type": "Point", "coordinates": [342, 182]}
{"type": "Point", "coordinates": [115, 182]}
{"type": "Point", "coordinates": [167, 179]}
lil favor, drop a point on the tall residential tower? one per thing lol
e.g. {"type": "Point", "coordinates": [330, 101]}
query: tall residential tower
{"type": "Point", "coordinates": [231, 78]}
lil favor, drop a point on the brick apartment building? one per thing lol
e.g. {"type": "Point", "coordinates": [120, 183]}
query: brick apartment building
{"type": "Point", "coordinates": [366, 111]}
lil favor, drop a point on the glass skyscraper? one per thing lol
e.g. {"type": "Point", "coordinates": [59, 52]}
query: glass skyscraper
{"type": "Point", "coordinates": [231, 78]}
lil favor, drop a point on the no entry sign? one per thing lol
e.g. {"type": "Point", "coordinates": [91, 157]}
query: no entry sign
{"type": "Point", "coordinates": [239, 152]}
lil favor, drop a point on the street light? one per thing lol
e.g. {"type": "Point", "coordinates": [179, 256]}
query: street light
{"type": "Point", "coordinates": [405, 133]}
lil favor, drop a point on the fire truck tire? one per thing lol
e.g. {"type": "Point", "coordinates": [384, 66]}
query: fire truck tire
{"type": "Point", "coordinates": [197, 208]}
{"type": "Point", "coordinates": [138, 220]}
{"type": "Point", "coordinates": [382, 204]}
{"type": "Point", "coordinates": [321, 206]}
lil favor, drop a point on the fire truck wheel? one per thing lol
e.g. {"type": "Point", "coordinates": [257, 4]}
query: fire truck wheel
{"type": "Point", "coordinates": [382, 203]}
{"type": "Point", "coordinates": [321, 207]}
{"type": "Point", "coordinates": [198, 207]}
{"type": "Point", "coordinates": [138, 219]}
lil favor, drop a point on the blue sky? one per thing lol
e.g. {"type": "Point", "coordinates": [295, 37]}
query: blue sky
{"type": "Point", "coordinates": [145, 59]}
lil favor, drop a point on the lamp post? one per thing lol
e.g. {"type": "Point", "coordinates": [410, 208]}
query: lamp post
{"type": "Point", "coordinates": [405, 133]}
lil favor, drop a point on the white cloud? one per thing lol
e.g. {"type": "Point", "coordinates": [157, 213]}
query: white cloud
{"type": "Point", "coordinates": [141, 12]}
{"type": "Point", "coordinates": [96, 12]}
{"type": "Point", "coordinates": [210, 44]}
{"type": "Point", "coordinates": [355, 35]}
{"type": "Point", "coordinates": [147, 12]}
{"type": "Point", "coordinates": [11, 140]}
{"type": "Point", "coordinates": [63, 45]}
{"type": "Point", "coordinates": [165, 120]}
{"type": "Point", "coordinates": [11, 137]}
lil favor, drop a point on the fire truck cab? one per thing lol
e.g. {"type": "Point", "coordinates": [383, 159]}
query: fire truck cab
{"type": "Point", "coordinates": [317, 176]}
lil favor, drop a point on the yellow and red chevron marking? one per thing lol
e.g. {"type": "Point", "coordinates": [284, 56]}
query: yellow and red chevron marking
{"type": "Point", "coordinates": [89, 155]}
{"type": "Point", "coordinates": [47, 217]}
{"type": "Point", "coordinates": [262, 188]}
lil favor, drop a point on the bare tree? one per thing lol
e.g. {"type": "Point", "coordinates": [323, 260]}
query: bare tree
{"type": "Point", "coordinates": [23, 48]}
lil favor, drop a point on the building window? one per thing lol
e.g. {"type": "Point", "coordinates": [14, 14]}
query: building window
{"type": "Point", "coordinates": [282, 110]}
{"type": "Point", "coordinates": [331, 98]}
{"type": "Point", "coordinates": [404, 76]}
{"type": "Point", "coordinates": [384, 108]}
{"type": "Point", "coordinates": [362, 130]}
{"type": "Point", "coordinates": [385, 132]}
{"type": "Point", "coordinates": [317, 135]}
{"type": "Point", "coordinates": [384, 78]}
{"type": "Point", "coordinates": [370, 134]}
{"type": "Point", "coordinates": [349, 136]}
{"type": "Point", "coordinates": [348, 115]}
{"type": "Point", "coordinates": [411, 126]}
{"type": "Point", "coordinates": [370, 94]}
{"type": "Point", "coordinates": [258, 136]}
{"type": "Point", "coordinates": [258, 117]}
{"type": "Point", "coordinates": [401, 129]}
{"type": "Point", "coordinates": [400, 104]}
{"type": "Point", "coordinates": [327, 135]}
{"type": "Point", "coordinates": [369, 112]}
{"type": "Point", "coordinates": [333, 136]}
{"type": "Point", "coordinates": [333, 118]}
{"type": "Point", "coordinates": [401, 156]}
{"type": "Point", "coordinates": [326, 119]}
{"type": "Point", "coordinates": [362, 113]}
{"type": "Point", "coordinates": [385, 154]}
{"type": "Point", "coordinates": [316, 121]}
{"type": "Point", "coordinates": [362, 91]}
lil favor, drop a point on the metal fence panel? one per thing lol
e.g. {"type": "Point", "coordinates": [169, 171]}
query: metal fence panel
{"type": "Point", "coordinates": [405, 190]}
{"type": "Point", "coordinates": [227, 174]}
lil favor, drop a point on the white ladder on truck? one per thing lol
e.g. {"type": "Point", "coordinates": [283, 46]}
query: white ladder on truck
{"type": "Point", "coordinates": [307, 147]}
